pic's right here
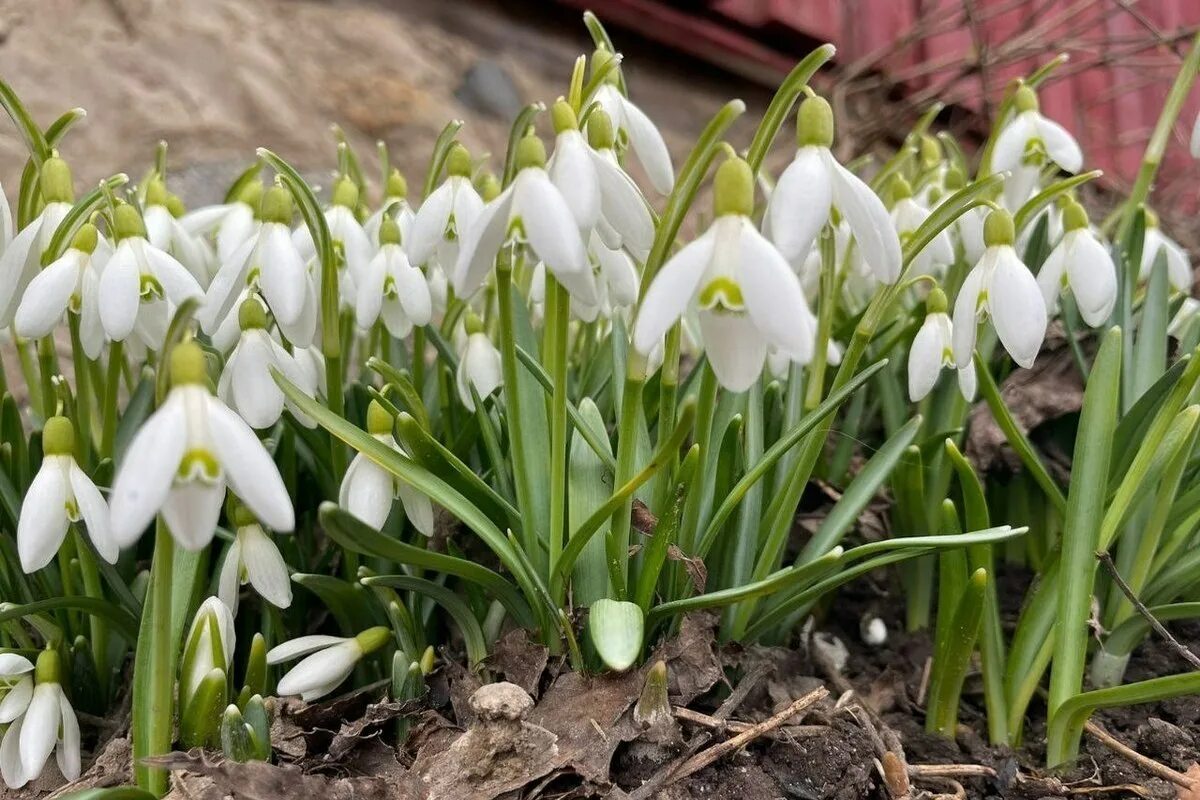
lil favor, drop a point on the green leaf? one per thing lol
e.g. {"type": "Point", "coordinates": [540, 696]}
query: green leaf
{"type": "Point", "coordinates": [952, 658]}
{"type": "Point", "coordinates": [616, 628]}
{"type": "Point", "coordinates": [345, 600]}
{"type": "Point", "coordinates": [1044, 198]}
{"type": "Point", "coordinates": [472, 633]}
{"type": "Point", "coordinates": [781, 104]}
{"type": "Point", "coordinates": [589, 484]}
{"type": "Point", "coordinates": [200, 721]}
{"type": "Point", "coordinates": [121, 619]}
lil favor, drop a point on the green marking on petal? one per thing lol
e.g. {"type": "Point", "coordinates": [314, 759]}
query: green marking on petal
{"type": "Point", "coordinates": [724, 293]}
{"type": "Point", "coordinates": [198, 464]}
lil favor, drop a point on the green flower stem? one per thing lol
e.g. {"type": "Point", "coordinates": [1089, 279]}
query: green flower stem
{"type": "Point", "coordinates": [617, 542]}
{"type": "Point", "coordinates": [90, 573]}
{"type": "Point", "coordinates": [693, 508]}
{"type": "Point", "coordinates": [48, 369]}
{"type": "Point", "coordinates": [154, 690]}
{"type": "Point", "coordinates": [559, 313]}
{"type": "Point", "coordinates": [781, 104]}
{"type": "Point", "coordinates": [668, 396]}
{"type": "Point", "coordinates": [1081, 532]}
{"type": "Point", "coordinates": [83, 395]}
{"type": "Point", "coordinates": [509, 366]}
{"type": "Point", "coordinates": [112, 388]}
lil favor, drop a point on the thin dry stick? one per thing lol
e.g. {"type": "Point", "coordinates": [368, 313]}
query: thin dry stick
{"type": "Point", "coordinates": [718, 751]}
{"type": "Point", "coordinates": [1146, 763]}
{"type": "Point", "coordinates": [1184, 651]}
{"type": "Point", "coordinates": [950, 771]}
{"type": "Point", "coordinates": [736, 726]}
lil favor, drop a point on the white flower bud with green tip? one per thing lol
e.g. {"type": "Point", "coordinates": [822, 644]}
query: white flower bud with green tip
{"type": "Point", "coordinates": [49, 725]}
{"type": "Point", "coordinates": [1024, 145]}
{"type": "Point", "coordinates": [253, 558]}
{"type": "Point", "coordinates": [395, 204]}
{"type": "Point", "coordinates": [392, 288]}
{"type": "Point", "coordinates": [16, 686]}
{"type": "Point", "coordinates": [182, 457]}
{"type": "Point", "coordinates": [137, 278]}
{"type": "Point", "coordinates": [329, 661]}
{"type": "Point", "coordinates": [60, 493]}
{"type": "Point", "coordinates": [747, 295]}
{"type": "Point", "coordinates": [479, 363]}
{"type": "Point", "coordinates": [368, 490]}
{"type": "Point", "coordinates": [531, 212]}
{"type": "Point", "coordinates": [933, 350]}
{"type": "Point", "coordinates": [1179, 266]}
{"type": "Point", "coordinates": [22, 256]}
{"type": "Point", "coordinates": [247, 385]}
{"type": "Point", "coordinates": [235, 223]}
{"type": "Point", "coordinates": [209, 645]}
{"type": "Point", "coordinates": [637, 128]}
{"type": "Point", "coordinates": [446, 215]}
{"type": "Point", "coordinates": [1000, 286]}
{"type": "Point", "coordinates": [70, 283]}
{"type": "Point", "coordinates": [813, 184]}
{"type": "Point", "coordinates": [1081, 264]}
{"type": "Point", "coordinates": [907, 216]}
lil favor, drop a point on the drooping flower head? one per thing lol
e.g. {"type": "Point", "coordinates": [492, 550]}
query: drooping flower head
{"type": "Point", "coordinates": [329, 661]}
{"type": "Point", "coordinates": [446, 214]}
{"type": "Point", "coordinates": [1081, 264]}
{"type": "Point", "coordinates": [932, 351]}
{"type": "Point", "coordinates": [247, 385]}
{"type": "Point", "coordinates": [49, 725]}
{"type": "Point", "coordinates": [22, 257]}
{"type": "Point", "coordinates": [253, 558]}
{"type": "Point", "coordinates": [391, 288]}
{"type": "Point", "coordinates": [1026, 143]}
{"type": "Point", "coordinates": [633, 125]}
{"type": "Point", "coordinates": [70, 283]}
{"type": "Point", "coordinates": [368, 490]}
{"type": "Point", "coordinates": [907, 216]}
{"type": "Point", "coordinates": [478, 363]}
{"type": "Point", "coordinates": [1157, 244]}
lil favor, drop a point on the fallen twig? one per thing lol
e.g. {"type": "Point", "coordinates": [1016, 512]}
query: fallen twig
{"type": "Point", "coordinates": [1158, 627]}
{"type": "Point", "coordinates": [950, 771]}
{"type": "Point", "coordinates": [1144, 762]}
{"type": "Point", "coordinates": [736, 726]}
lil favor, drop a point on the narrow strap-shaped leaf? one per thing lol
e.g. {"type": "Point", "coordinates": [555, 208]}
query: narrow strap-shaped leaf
{"type": "Point", "coordinates": [472, 633]}
{"type": "Point", "coordinates": [123, 620]}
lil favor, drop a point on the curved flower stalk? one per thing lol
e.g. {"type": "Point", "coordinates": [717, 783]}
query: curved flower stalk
{"type": "Point", "coordinates": [395, 204]}
{"type": "Point", "coordinates": [233, 224]}
{"type": "Point", "coordinates": [814, 184]}
{"type": "Point", "coordinates": [1001, 287]}
{"type": "Point", "coordinates": [162, 212]}
{"type": "Point", "coordinates": [16, 686]}
{"type": "Point", "coordinates": [329, 661]}
{"type": "Point", "coordinates": [48, 725]}
{"type": "Point", "coordinates": [643, 137]}
{"type": "Point", "coordinates": [1179, 266]}
{"type": "Point", "coordinates": [1026, 143]}
{"type": "Point", "coordinates": [392, 288]}
{"type": "Point", "coordinates": [270, 262]}
{"type": "Point", "coordinates": [446, 214]}
{"type": "Point", "coordinates": [907, 216]}
{"type": "Point", "coordinates": [599, 194]}
{"type": "Point", "coordinates": [368, 490]}
{"type": "Point", "coordinates": [253, 558]}
{"type": "Point", "coordinates": [22, 256]}
{"type": "Point", "coordinates": [60, 493]}
{"type": "Point", "coordinates": [140, 284]}
{"type": "Point", "coordinates": [747, 295]}
{"type": "Point", "coordinates": [182, 458]}
{"type": "Point", "coordinates": [209, 645]}
{"type": "Point", "coordinates": [246, 384]}
{"type": "Point", "coordinates": [1081, 264]}
{"type": "Point", "coordinates": [71, 283]}
{"type": "Point", "coordinates": [533, 213]}
{"type": "Point", "coordinates": [933, 350]}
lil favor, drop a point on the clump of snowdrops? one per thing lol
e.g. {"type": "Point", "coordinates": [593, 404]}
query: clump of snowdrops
{"type": "Point", "coordinates": [338, 434]}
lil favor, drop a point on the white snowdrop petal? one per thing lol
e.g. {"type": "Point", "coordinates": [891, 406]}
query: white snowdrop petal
{"type": "Point", "coordinates": [1060, 144]}
{"type": "Point", "coordinates": [370, 291]}
{"type": "Point", "coordinates": [1093, 279]}
{"type": "Point", "coordinates": [648, 145]}
{"type": "Point", "coordinates": [967, 381]}
{"type": "Point", "coordinates": [799, 206]}
{"type": "Point", "coordinates": [429, 225]}
{"type": "Point", "coordinates": [573, 174]}
{"type": "Point", "coordinates": [265, 567]}
{"type": "Point", "coordinates": [623, 206]}
{"type": "Point", "coordinates": [773, 296]}
{"type": "Point", "coordinates": [548, 225]}
{"type": "Point", "coordinates": [417, 507]}
{"type": "Point", "coordinates": [10, 756]}
{"type": "Point", "coordinates": [735, 348]}
{"type": "Point", "coordinates": [301, 646]}
{"type": "Point", "coordinates": [17, 266]}
{"type": "Point", "coordinates": [43, 522]}
{"type": "Point", "coordinates": [120, 293]}
{"type": "Point", "coordinates": [1050, 276]}
{"type": "Point", "coordinates": [191, 512]}
{"type": "Point", "coordinates": [1009, 150]}
{"type": "Point", "coordinates": [94, 511]}
{"type": "Point", "coordinates": [367, 491]}
{"type": "Point", "coordinates": [147, 470]}
{"type": "Point", "coordinates": [229, 579]}
{"type": "Point", "coordinates": [966, 312]}
{"type": "Point", "coordinates": [178, 284]}
{"type": "Point", "coordinates": [868, 219]}
{"type": "Point", "coordinates": [68, 748]}
{"type": "Point", "coordinates": [282, 273]}
{"type": "Point", "coordinates": [671, 291]}
{"type": "Point", "coordinates": [16, 699]}
{"type": "Point", "coordinates": [480, 243]}
{"type": "Point", "coordinates": [226, 287]}
{"type": "Point", "coordinates": [40, 729]}
{"type": "Point", "coordinates": [1017, 308]}
{"type": "Point", "coordinates": [249, 469]}
{"type": "Point", "coordinates": [323, 669]}
{"type": "Point", "coordinates": [256, 396]}
{"type": "Point", "coordinates": [46, 298]}
{"type": "Point", "coordinates": [14, 664]}
{"type": "Point", "coordinates": [924, 360]}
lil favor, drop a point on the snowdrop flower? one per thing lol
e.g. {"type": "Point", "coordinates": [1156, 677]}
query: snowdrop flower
{"type": "Point", "coordinates": [1002, 287]}
{"type": "Point", "coordinates": [182, 457]}
{"type": "Point", "coordinates": [209, 645]}
{"type": "Point", "coordinates": [392, 287]}
{"type": "Point", "coordinates": [615, 276]}
{"type": "Point", "coordinates": [253, 558]}
{"type": "Point", "coordinates": [597, 191]}
{"type": "Point", "coordinates": [478, 365]}
{"type": "Point", "coordinates": [1026, 143]}
{"type": "Point", "coordinates": [49, 725]}
{"type": "Point", "coordinates": [643, 137]}
{"type": "Point", "coordinates": [447, 214]}
{"type": "Point", "coordinates": [1179, 266]}
{"type": "Point", "coordinates": [70, 283]}
{"type": "Point", "coordinates": [907, 216]}
{"type": "Point", "coordinates": [268, 260]}
{"type": "Point", "coordinates": [60, 493]}
{"type": "Point", "coordinates": [1184, 318]}
{"type": "Point", "coordinates": [747, 295]}
{"type": "Point", "coordinates": [161, 211]}
{"type": "Point", "coordinates": [531, 212]}
{"type": "Point", "coordinates": [235, 222]}
{"type": "Point", "coordinates": [16, 686]}
{"type": "Point", "coordinates": [1082, 264]}
{"type": "Point", "coordinates": [330, 660]}
{"type": "Point", "coordinates": [139, 275]}
{"type": "Point", "coordinates": [933, 350]}
{"type": "Point", "coordinates": [22, 258]}
{"type": "Point", "coordinates": [368, 490]}
{"type": "Point", "coordinates": [813, 184]}
{"type": "Point", "coordinates": [247, 385]}
{"type": "Point", "coordinates": [395, 204]}
{"type": "Point", "coordinates": [349, 239]}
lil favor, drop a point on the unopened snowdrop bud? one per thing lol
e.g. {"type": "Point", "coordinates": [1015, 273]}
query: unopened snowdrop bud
{"type": "Point", "coordinates": [746, 294]}
{"type": "Point", "coordinates": [55, 181]}
{"type": "Point", "coordinates": [1001, 287]}
{"type": "Point", "coordinates": [478, 366]}
{"type": "Point", "coordinates": [932, 351]}
{"type": "Point", "coordinates": [368, 490]}
{"type": "Point", "coordinates": [253, 558]}
{"type": "Point", "coordinates": [60, 493]}
{"type": "Point", "coordinates": [329, 661]}
{"type": "Point", "coordinates": [209, 646]}
{"type": "Point", "coordinates": [49, 724]}
{"type": "Point", "coordinates": [183, 456]}
{"type": "Point", "coordinates": [1156, 244]}
{"type": "Point", "coordinates": [1081, 264]}
{"type": "Point", "coordinates": [815, 184]}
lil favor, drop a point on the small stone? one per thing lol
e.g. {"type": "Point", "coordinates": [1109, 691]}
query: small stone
{"type": "Point", "coordinates": [501, 701]}
{"type": "Point", "coordinates": [487, 87]}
